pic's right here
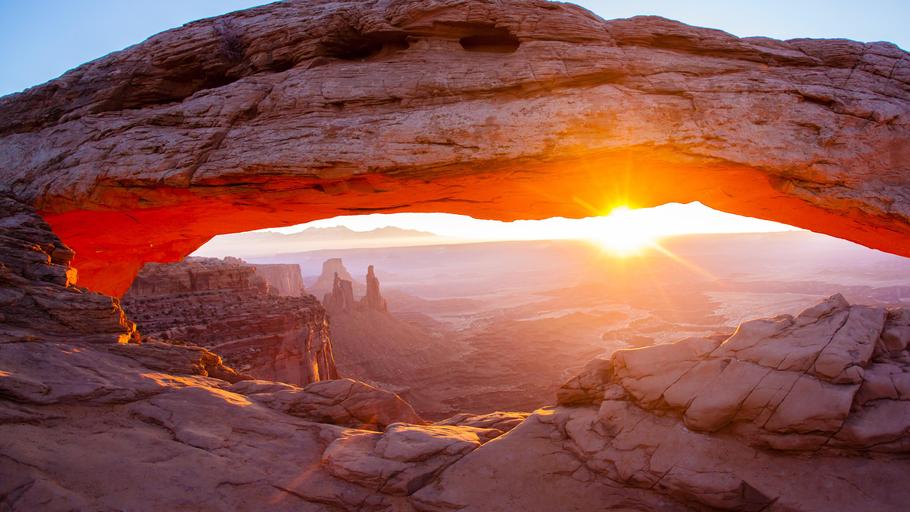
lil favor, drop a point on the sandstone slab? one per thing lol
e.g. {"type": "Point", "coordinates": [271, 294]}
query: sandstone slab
{"type": "Point", "coordinates": [343, 402]}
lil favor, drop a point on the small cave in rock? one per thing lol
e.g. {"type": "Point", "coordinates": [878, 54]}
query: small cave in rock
{"type": "Point", "coordinates": [352, 44]}
{"type": "Point", "coordinates": [490, 39]}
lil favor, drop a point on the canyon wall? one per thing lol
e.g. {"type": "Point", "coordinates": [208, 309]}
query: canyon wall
{"type": "Point", "coordinates": [296, 111]}
{"type": "Point", "coordinates": [283, 279]}
{"type": "Point", "coordinates": [229, 308]}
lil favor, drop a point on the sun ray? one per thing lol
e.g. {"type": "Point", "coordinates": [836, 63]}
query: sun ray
{"type": "Point", "coordinates": [684, 262]}
{"type": "Point", "coordinates": [621, 234]}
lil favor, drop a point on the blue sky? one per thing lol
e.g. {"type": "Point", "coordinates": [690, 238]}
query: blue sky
{"type": "Point", "coordinates": [41, 40]}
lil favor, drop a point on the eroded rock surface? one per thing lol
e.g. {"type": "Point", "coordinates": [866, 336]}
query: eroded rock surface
{"type": "Point", "coordinates": [821, 379]}
{"type": "Point", "coordinates": [489, 426]}
{"type": "Point", "coordinates": [402, 459]}
{"type": "Point", "coordinates": [344, 402]}
{"type": "Point", "coordinates": [299, 110]}
{"type": "Point", "coordinates": [227, 307]}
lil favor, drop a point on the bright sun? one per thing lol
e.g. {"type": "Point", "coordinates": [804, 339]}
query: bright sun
{"type": "Point", "coordinates": [621, 233]}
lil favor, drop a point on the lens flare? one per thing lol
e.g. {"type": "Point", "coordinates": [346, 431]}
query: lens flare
{"type": "Point", "coordinates": [622, 234]}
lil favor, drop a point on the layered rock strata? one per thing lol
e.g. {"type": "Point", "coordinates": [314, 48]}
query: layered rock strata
{"type": "Point", "coordinates": [296, 111]}
{"type": "Point", "coordinates": [227, 307]}
{"type": "Point", "coordinates": [39, 297]}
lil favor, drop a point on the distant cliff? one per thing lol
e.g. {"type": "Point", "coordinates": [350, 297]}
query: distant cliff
{"type": "Point", "coordinates": [326, 281]}
{"type": "Point", "coordinates": [235, 310]}
{"type": "Point", "coordinates": [283, 279]}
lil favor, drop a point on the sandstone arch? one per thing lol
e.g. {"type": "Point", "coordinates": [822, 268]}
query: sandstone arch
{"type": "Point", "coordinates": [507, 109]}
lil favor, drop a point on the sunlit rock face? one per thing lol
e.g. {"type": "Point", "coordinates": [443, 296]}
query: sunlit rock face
{"type": "Point", "coordinates": [517, 109]}
{"type": "Point", "coordinates": [229, 308]}
{"type": "Point", "coordinates": [69, 335]}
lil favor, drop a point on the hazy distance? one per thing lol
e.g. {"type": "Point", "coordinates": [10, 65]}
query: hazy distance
{"type": "Point", "coordinates": [622, 231]}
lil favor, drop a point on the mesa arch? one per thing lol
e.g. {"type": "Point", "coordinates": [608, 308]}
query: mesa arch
{"type": "Point", "coordinates": [509, 109]}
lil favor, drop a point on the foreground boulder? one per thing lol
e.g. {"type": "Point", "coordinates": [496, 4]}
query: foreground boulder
{"type": "Point", "coordinates": [402, 459]}
{"type": "Point", "coordinates": [343, 402]}
{"type": "Point", "coordinates": [834, 376]}
{"type": "Point", "coordinates": [295, 111]}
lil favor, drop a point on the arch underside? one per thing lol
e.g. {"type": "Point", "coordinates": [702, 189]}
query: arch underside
{"type": "Point", "coordinates": [289, 113]}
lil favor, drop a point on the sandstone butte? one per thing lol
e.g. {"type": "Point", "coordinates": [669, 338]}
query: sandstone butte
{"type": "Point", "coordinates": [510, 109]}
